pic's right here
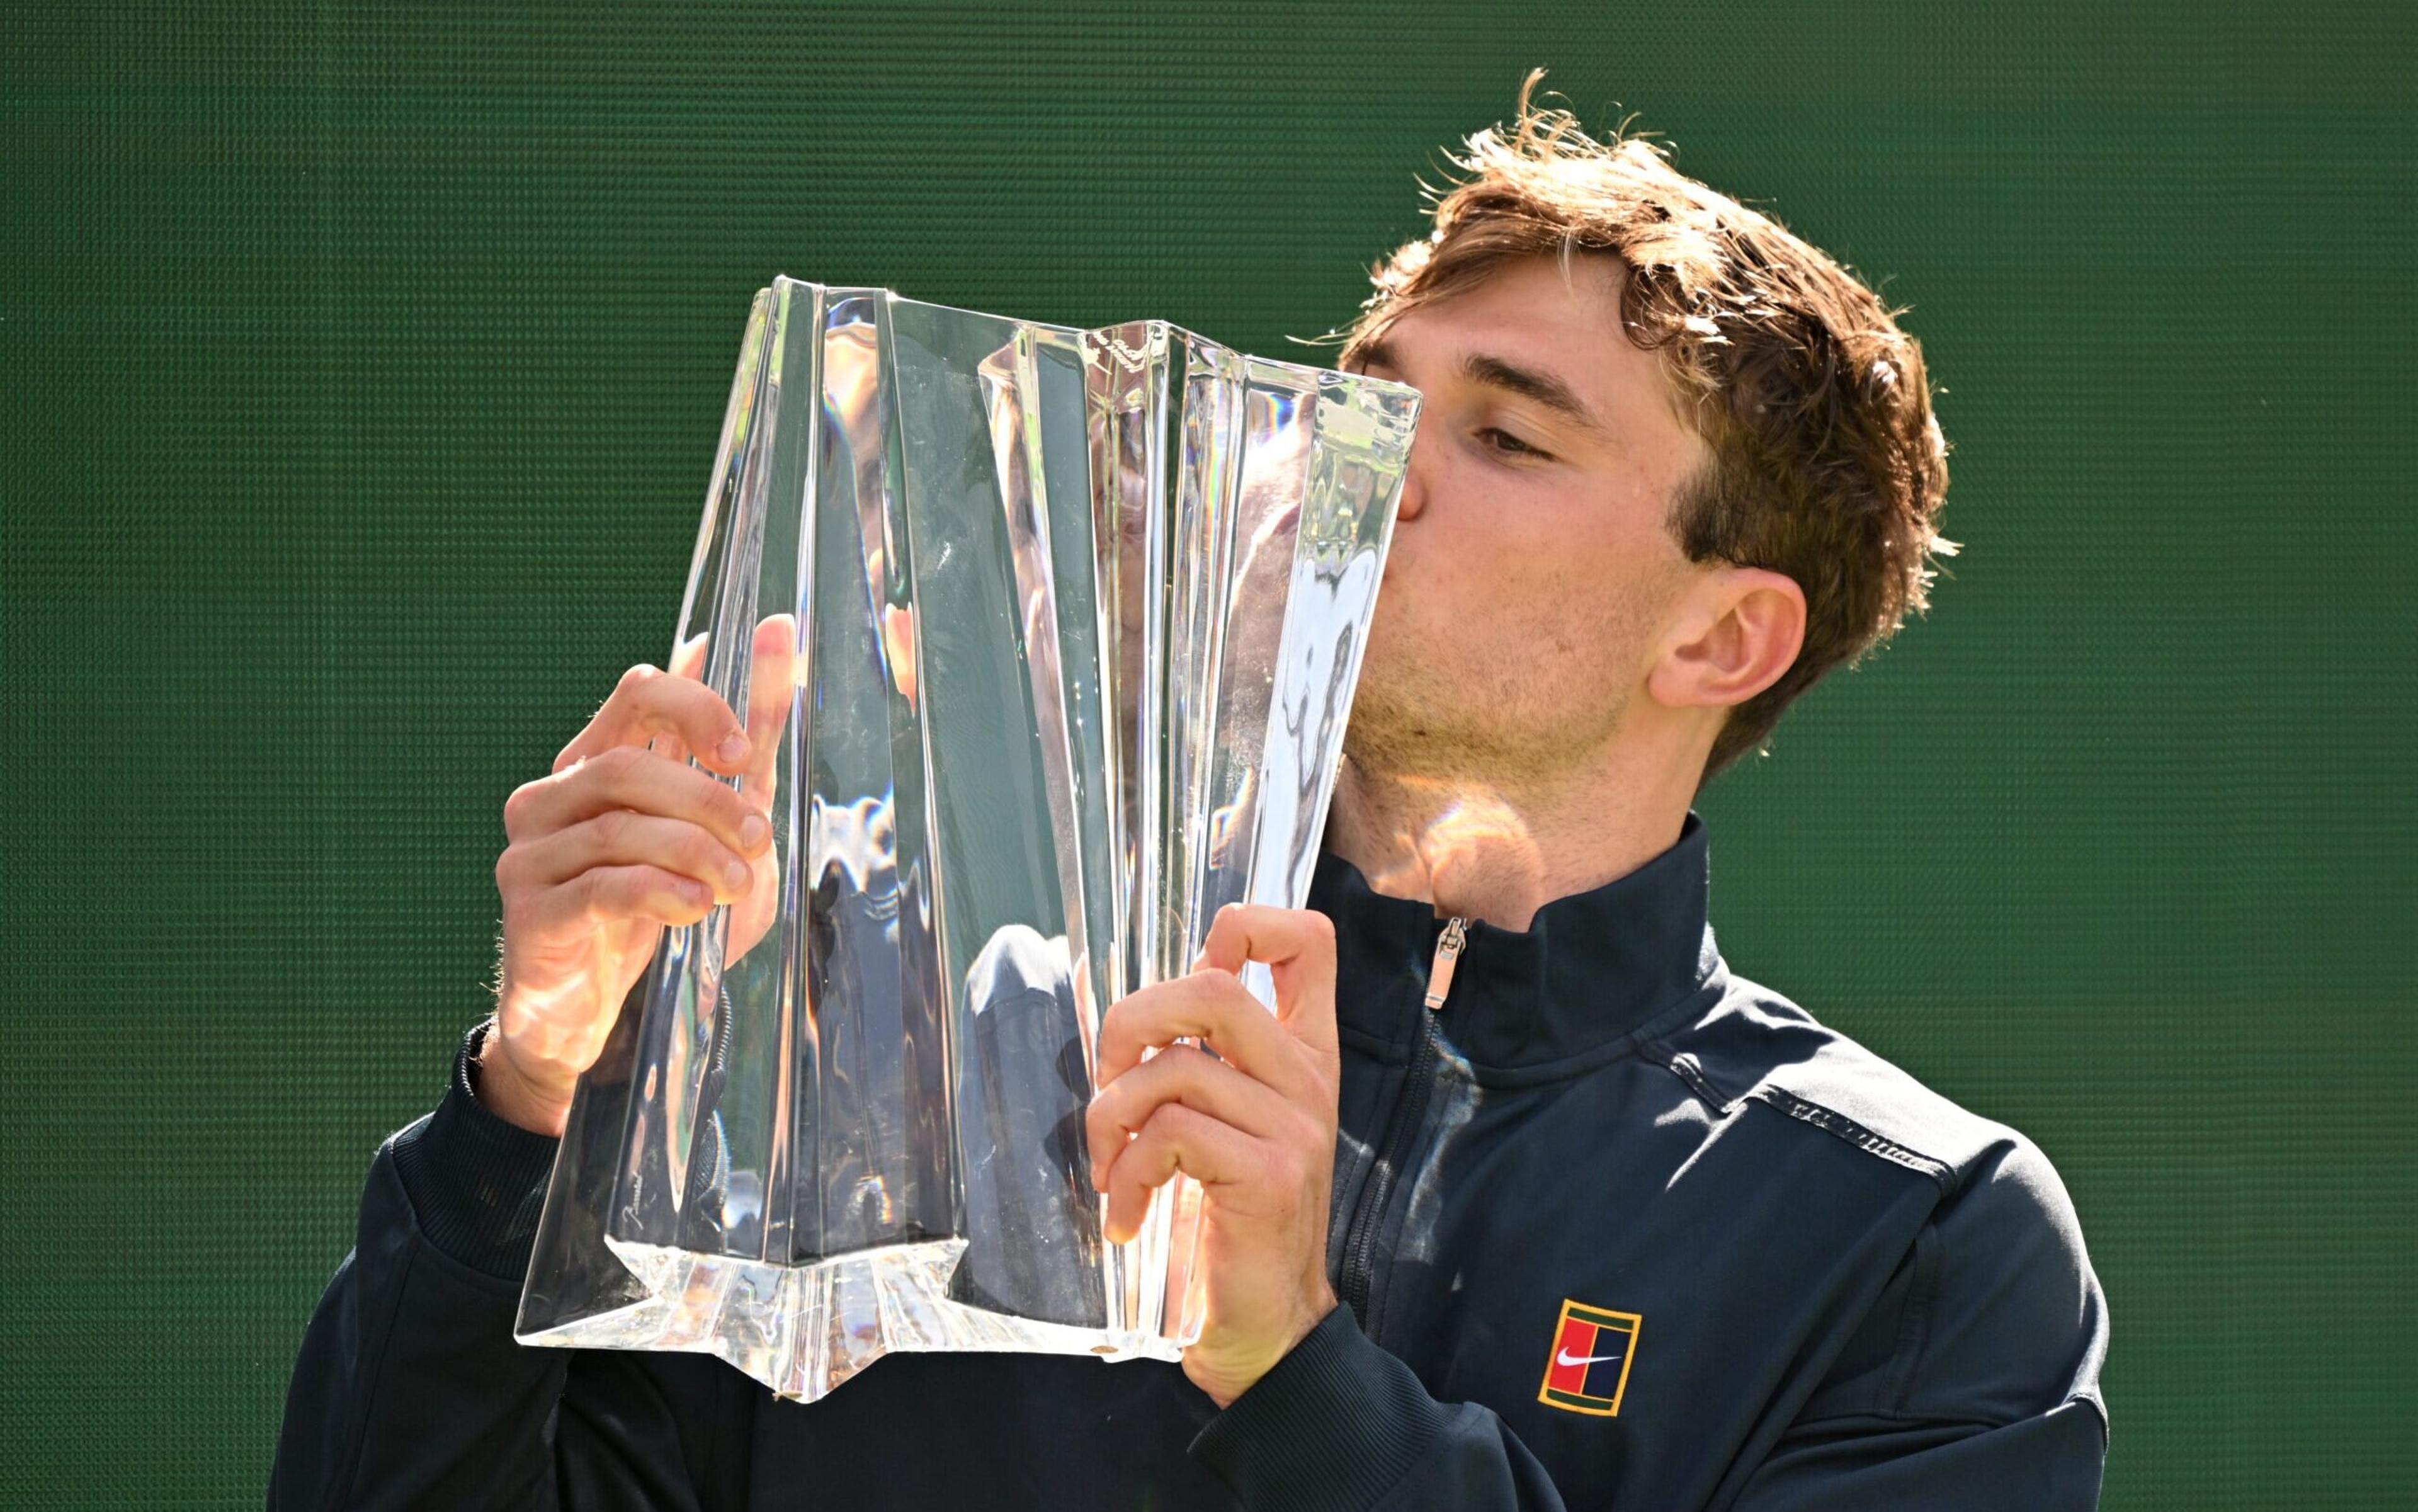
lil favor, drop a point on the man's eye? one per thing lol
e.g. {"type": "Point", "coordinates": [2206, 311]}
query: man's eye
{"type": "Point", "coordinates": [1508, 444]}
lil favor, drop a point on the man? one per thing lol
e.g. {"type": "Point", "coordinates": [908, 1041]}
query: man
{"type": "Point", "coordinates": [1522, 1198]}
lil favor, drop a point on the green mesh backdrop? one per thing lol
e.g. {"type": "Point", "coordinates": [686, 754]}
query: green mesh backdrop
{"type": "Point", "coordinates": [359, 370]}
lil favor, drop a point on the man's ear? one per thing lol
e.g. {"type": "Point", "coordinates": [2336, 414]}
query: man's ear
{"type": "Point", "coordinates": [1733, 633]}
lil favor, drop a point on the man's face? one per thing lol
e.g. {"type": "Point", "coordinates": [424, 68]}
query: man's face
{"type": "Point", "coordinates": [1533, 564]}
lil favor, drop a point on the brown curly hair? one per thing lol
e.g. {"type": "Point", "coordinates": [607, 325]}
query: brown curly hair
{"type": "Point", "coordinates": [1827, 465]}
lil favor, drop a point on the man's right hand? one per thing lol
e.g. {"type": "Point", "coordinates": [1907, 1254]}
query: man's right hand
{"type": "Point", "coordinates": [622, 839]}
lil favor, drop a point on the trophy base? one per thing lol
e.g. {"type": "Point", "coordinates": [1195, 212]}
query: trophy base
{"type": "Point", "coordinates": [802, 1331]}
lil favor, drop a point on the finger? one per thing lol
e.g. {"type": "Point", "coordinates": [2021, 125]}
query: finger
{"type": "Point", "coordinates": [648, 703]}
{"type": "Point", "coordinates": [643, 782]}
{"type": "Point", "coordinates": [1177, 1139]}
{"type": "Point", "coordinates": [770, 683]}
{"type": "Point", "coordinates": [613, 894]}
{"type": "Point", "coordinates": [620, 838]}
{"type": "Point", "coordinates": [688, 660]}
{"type": "Point", "coordinates": [772, 695]}
{"type": "Point", "coordinates": [898, 648]}
{"type": "Point", "coordinates": [1210, 1005]}
{"type": "Point", "coordinates": [1297, 946]}
{"type": "Point", "coordinates": [1186, 1076]}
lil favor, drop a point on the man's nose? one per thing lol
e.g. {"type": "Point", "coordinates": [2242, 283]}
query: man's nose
{"type": "Point", "coordinates": [1414, 502]}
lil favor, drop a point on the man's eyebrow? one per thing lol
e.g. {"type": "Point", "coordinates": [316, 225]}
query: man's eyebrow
{"type": "Point", "coordinates": [1493, 372]}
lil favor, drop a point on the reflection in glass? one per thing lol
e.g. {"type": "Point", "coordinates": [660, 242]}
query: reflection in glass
{"type": "Point", "coordinates": [1046, 637]}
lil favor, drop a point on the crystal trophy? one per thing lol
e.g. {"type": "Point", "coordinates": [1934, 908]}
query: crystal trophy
{"type": "Point", "coordinates": [1050, 635]}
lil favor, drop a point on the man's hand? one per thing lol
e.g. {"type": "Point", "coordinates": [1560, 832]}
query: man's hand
{"type": "Point", "coordinates": [1254, 1125]}
{"type": "Point", "coordinates": [624, 838]}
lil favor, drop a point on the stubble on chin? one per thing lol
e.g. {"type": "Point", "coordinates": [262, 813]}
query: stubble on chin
{"type": "Point", "coordinates": [1529, 707]}
{"type": "Point", "coordinates": [1417, 724]}
{"type": "Point", "coordinates": [1379, 742]}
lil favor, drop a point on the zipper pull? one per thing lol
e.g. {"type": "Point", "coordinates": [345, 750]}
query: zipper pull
{"type": "Point", "coordinates": [1447, 956]}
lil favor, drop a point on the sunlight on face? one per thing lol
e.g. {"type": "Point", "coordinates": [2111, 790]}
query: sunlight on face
{"type": "Point", "coordinates": [1533, 562]}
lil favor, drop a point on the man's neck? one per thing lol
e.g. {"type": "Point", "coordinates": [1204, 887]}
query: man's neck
{"type": "Point", "coordinates": [1481, 849]}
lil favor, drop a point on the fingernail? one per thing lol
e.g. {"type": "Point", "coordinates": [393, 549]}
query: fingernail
{"type": "Point", "coordinates": [735, 748]}
{"type": "Point", "coordinates": [736, 874]}
{"type": "Point", "coordinates": [752, 830]}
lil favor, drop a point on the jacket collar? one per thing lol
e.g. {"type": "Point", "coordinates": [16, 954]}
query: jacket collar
{"type": "Point", "coordinates": [1590, 969]}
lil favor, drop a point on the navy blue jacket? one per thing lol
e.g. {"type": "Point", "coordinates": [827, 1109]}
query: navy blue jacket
{"type": "Point", "coordinates": [1613, 1229]}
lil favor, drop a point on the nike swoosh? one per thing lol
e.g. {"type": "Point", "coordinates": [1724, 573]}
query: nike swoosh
{"type": "Point", "coordinates": [1566, 1358]}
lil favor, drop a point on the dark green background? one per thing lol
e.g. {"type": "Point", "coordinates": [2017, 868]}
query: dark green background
{"type": "Point", "coordinates": [359, 370]}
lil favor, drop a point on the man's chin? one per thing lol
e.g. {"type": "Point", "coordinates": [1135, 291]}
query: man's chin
{"type": "Point", "coordinates": [1385, 739]}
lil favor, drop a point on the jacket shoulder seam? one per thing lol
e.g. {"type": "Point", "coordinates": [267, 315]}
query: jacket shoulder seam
{"type": "Point", "coordinates": [1689, 1072]}
{"type": "Point", "coordinates": [1843, 1128]}
{"type": "Point", "coordinates": [1899, 1417]}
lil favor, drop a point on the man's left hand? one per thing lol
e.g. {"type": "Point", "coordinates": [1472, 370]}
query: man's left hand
{"type": "Point", "coordinates": [1254, 1125]}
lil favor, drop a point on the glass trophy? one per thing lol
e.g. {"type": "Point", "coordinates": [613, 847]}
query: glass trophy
{"type": "Point", "coordinates": [1055, 632]}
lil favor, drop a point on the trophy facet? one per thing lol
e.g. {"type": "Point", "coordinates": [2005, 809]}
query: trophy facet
{"type": "Point", "coordinates": [1048, 636]}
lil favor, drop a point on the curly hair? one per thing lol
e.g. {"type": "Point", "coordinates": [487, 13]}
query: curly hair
{"type": "Point", "coordinates": [1826, 463]}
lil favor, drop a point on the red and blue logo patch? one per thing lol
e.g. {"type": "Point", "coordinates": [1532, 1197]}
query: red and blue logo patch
{"type": "Point", "coordinates": [1589, 1370]}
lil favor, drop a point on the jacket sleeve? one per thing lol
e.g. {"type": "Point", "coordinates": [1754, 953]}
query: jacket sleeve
{"type": "Point", "coordinates": [1975, 1388]}
{"type": "Point", "coordinates": [1989, 1398]}
{"type": "Point", "coordinates": [1340, 1426]}
{"type": "Point", "coordinates": [410, 1390]}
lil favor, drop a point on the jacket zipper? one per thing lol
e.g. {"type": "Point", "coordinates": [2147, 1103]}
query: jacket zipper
{"type": "Point", "coordinates": [1447, 957]}
{"type": "Point", "coordinates": [1410, 1111]}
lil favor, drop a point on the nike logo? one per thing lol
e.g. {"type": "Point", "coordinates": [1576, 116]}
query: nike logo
{"type": "Point", "coordinates": [1566, 1358]}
